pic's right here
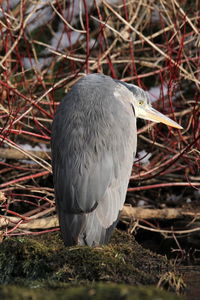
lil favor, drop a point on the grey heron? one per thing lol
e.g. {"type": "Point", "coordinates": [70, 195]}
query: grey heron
{"type": "Point", "coordinates": [94, 139]}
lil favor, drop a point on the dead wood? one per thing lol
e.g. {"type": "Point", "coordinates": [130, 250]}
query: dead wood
{"type": "Point", "coordinates": [130, 212]}
{"type": "Point", "coordinates": [8, 153]}
{"type": "Point", "coordinates": [127, 213]}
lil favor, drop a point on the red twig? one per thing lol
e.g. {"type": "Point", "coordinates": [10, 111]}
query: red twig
{"type": "Point", "coordinates": [24, 178]}
{"type": "Point", "coordinates": [162, 185]}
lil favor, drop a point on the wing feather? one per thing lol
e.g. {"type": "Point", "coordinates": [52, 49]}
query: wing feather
{"type": "Point", "coordinates": [92, 154]}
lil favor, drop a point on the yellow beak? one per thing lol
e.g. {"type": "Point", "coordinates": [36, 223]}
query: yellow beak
{"type": "Point", "coordinates": [151, 114]}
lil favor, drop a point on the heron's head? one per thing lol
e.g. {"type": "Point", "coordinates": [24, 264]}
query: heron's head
{"type": "Point", "coordinates": [142, 107]}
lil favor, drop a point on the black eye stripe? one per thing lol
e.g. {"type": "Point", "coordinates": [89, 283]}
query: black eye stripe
{"type": "Point", "coordinates": [133, 109]}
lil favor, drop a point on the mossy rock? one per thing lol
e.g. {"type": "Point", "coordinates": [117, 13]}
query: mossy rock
{"type": "Point", "coordinates": [95, 291]}
{"type": "Point", "coordinates": [46, 258]}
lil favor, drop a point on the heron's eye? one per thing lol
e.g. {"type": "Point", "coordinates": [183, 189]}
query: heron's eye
{"type": "Point", "coordinates": [141, 102]}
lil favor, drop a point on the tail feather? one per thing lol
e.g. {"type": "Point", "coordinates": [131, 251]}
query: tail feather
{"type": "Point", "coordinates": [84, 229]}
{"type": "Point", "coordinates": [71, 225]}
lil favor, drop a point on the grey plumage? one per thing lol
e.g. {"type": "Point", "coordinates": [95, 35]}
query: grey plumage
{"type": "Point", "coordinates": [94, 140]}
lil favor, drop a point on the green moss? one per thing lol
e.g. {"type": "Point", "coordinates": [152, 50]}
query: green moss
{"type": "Point", "coordinates": [95, 291]}
{"type": "Point", "coordinates": [23, 258]}
{"type": "Point", "coordinates": [45, 258]}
